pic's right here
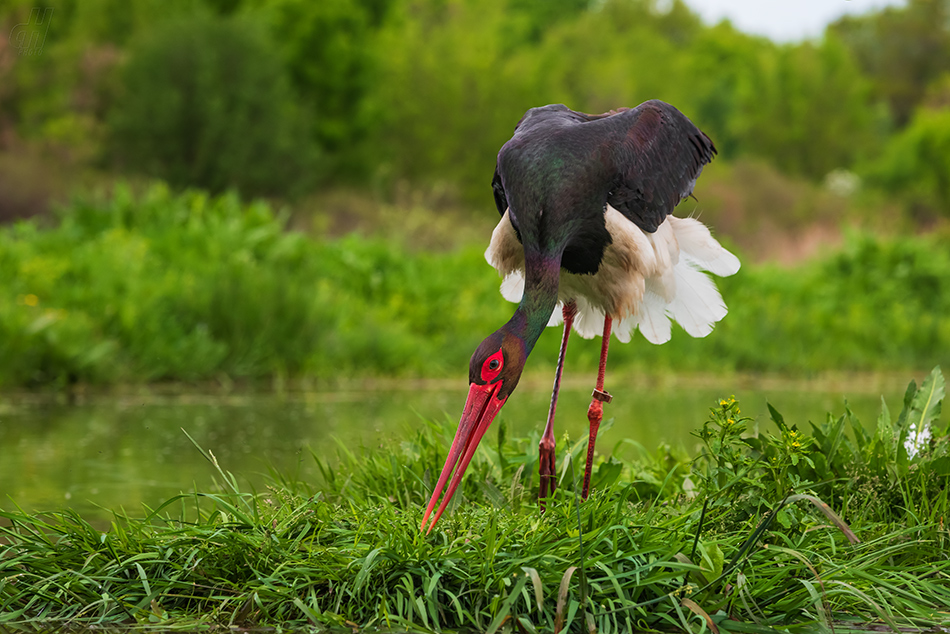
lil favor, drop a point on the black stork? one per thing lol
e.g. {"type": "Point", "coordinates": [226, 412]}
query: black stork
{"type": "Point", "coordinates": [585, 202]}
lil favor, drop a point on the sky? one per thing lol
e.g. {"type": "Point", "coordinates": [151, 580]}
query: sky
{"type": "Point", "coordinates": [784, 20]}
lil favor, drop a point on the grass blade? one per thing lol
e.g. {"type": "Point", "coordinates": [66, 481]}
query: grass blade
{"type": "Point", "coordinates": [562, 599]}
{"type": "Point", "coordinates": [693, 607]}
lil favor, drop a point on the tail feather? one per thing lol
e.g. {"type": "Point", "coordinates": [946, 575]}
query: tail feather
{"type": "Point", "coordinates": [678, 288]}
{"type": "Point", "coordinates": [698, 245]}
{"type": "Point", "coordinates": [670, 282]}
{"type": "Point", "coordinates": [654, 322]}
{"type": "Point", "coordinates": [697, 304]}
{"type": "Point", "coordinates": [589, 321]}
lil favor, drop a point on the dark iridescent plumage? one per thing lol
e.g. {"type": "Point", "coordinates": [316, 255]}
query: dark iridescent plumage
{"type": "Point", "coordinates": [556, 181]}
{"type": "Point", "coordinates": [641, 161]}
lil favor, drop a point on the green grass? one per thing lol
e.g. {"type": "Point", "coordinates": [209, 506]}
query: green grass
{"type": "Point", "coordinates": [190, 287]}
{"type": "Point", "coordinates": [803, 531]}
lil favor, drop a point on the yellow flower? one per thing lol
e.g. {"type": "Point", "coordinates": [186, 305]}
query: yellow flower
{"type": "Point", "coordinates": [730, 421]}
{"type": "Point", "coordinates": [31, 300]}
{"type": "Point", "coordinates": [796, 444]}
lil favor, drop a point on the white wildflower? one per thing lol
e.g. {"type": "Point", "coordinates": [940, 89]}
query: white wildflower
{"type": "Point", "coordinates": [916, 439]}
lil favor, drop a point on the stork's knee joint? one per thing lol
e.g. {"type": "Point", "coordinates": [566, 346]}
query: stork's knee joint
{"type": "Point", "coordinates": [595, 413]}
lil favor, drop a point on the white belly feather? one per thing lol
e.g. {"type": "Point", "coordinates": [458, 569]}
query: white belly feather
{"type": "Point", "coordinates": [644, 279]}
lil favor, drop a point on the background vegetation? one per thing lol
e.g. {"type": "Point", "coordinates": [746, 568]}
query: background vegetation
{"type": "Point", "coordinates": [274, 188]}
{"type": "Point", "coordinates": [190, 286]}
{"type": "Point", "coordinates": [382, 118]}
{"type": "Point", "coordinates": [378, 93]}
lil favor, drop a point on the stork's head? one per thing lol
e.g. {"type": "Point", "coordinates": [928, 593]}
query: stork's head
{"type": "Point", "coordinates": [493, 373]}
{"type": "Point", "coordinates": [497, 363]}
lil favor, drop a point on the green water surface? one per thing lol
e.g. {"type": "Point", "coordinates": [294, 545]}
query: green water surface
{"type": "Point", "coordinates": [107, 452]}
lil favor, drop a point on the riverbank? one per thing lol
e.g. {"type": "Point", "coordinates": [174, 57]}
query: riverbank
{"type": "Point", "coordinates": [798, 529]}
{"type": "Point", "coordinates": [122, 446]}
{"type": "Point", "coordinates": [230, 391]}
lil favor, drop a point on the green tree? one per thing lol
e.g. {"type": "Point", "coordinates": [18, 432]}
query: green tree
{"type": "Point", "coordinates": [632, 51]}
{"type": "Point", "coordinates": [720, 63]}
{"type": "Point", "coordinates": [902, 50]}
{"type": "Point", "coordinates": [916, 162]}
{"type": "Point", "coordinates": [206, 102]}
{"type": "Point", "coordinates": [806, 108]}
{"type": "Point", "coordinates": [326, 48]}
{"type": "Point", "coordinates": [448, 90]}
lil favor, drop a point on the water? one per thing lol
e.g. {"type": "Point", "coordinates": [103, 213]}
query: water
{"type": "Point", "coordinates": [125, 451]}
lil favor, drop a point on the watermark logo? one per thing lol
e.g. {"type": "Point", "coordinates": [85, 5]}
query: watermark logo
{"type": "Point", "coordinates": [28, 38]}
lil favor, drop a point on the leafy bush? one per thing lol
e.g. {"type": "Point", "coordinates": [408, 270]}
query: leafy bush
{"type": "Point", "coordinates": [874, 304]}
{"type": "Point", "coordinates": [455, 78]}
{"type": "Point", "coordinates": [423, 91]}
{"type": "Point", "coordinates": [916, 162]}
{"type": "Point", "coordinates": [188, 286]}
{"type": "Point", "coordinates": [205, 102]}
{"type": "Point", "coordinates": [896, 472]}
{"type": "Point", "coordinates": [325, 47]}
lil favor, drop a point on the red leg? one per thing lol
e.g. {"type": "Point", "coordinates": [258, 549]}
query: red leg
{"type": "Point", "coordinates": [546, 459]}
{"type": "Point", "coordinates": [595, 413]}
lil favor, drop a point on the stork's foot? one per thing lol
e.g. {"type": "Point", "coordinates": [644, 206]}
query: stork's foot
{"type": "Point", "coordinates": [547, 469]}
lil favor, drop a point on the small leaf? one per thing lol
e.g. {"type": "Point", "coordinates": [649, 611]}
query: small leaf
{"type": "Point", "coordinates": [562, 599]}
{"type": "Point", "coordinates": [695, 571]}
{"type": "Point", "coordinates": [506, 606]}
{"type": "Point", "coordinates": [538, 588]}
{"type": "Point", "coordinates": [527, 625]}
{"type": "Point", "coordinates": [365, 570]}
{"type": "Point", "coordinates": [716, 559]}
{"type": "Point", "coordinates": [607, 474]}
{"type": "Point", "coordinates": [695, 609]}
{"type": "Point", "coordinates": [925, 408]}
{"type": "Point", "coordinates": [830, 514]}
{"type": "Point", "coordinates": [777, 418]}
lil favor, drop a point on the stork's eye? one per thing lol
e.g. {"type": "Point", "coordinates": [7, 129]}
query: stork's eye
{"type": "Point", "coordinates": [491, 367]}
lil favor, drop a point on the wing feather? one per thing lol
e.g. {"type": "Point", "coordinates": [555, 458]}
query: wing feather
{"type": "Point", "coordinates": [658, 154]}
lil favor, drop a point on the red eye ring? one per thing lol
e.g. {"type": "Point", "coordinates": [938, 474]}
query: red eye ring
{"type": "Point", "coordinates": [492, 366]}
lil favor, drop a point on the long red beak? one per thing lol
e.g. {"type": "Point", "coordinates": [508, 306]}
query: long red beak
{"type": "Point", "coordinates": [481, 407]}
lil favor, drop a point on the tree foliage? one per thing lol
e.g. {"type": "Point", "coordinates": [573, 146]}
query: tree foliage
{"type": "Point", "coordinates": [916, 162]}
{"type": "Point", "coordinates": [902, 50]}
{"type": "Point", "coordinates": [425, 91]}
{"type": "Point", "coordinates": [206, 102]}
{"type": "Point", "coordinates": [324, 49]}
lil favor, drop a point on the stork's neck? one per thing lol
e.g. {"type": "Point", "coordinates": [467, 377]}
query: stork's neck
{"type": "Point", "coordinates": [542, 274]}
